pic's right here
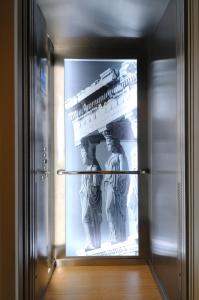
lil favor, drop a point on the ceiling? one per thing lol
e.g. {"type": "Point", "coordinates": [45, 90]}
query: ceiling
{"type": "Point", "coordinates": [68, 19]}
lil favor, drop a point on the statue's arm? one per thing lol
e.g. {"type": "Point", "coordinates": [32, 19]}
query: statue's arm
{"type": "Point", "coordinates": [123, 179]}
{"type": "Point", "coordinates": [121, 160]}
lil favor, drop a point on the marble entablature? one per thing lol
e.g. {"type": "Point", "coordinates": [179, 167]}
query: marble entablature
{"type": "Point", "coordinates": [110, 98]}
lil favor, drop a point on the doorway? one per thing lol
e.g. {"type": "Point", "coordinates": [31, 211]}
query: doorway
{"type": "Point", "coordinates": [156, 62]}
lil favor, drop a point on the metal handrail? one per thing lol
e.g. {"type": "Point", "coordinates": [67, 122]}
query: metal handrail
{"type": "Point", "coordinates": [102, 172]}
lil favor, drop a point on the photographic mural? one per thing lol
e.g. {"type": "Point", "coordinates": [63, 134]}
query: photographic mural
{"type": "Point", "coordinates": [101, 135]}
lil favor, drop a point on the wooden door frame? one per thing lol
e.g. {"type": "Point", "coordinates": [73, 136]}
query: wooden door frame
{"type": "Point", "coordinates": [8, 253]}
{"type": "Point", "coordinates": [25, 140]}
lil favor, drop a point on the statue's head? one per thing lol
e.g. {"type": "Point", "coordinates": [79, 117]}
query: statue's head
{"type": "Point", "coordinates": [84, 155]}
{"type": "Point", "coordinates": [87, 151]}
{"type": "Point", "coordinates": [111, 142]}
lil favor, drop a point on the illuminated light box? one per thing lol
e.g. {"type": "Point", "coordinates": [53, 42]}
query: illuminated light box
{"type": "Point", "coordinates": [100, 137]}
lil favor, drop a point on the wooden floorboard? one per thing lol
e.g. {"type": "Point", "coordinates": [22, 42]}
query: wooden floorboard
{"type": "Point", "coordinates": [103, 283]}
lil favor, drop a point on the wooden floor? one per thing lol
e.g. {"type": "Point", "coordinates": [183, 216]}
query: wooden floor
{"type": "Point", "coordinates": [103, 283]}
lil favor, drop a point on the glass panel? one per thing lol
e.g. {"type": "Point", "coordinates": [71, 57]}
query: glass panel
{"type": "Point", "coordinates": [101, 215]}
{"type": "Point", "coordinates": [101, 134]}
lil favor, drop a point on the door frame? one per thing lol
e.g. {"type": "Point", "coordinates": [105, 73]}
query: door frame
{"type": "Point", "coordinates": [188, 86]}
{"type": "Point", "coordinates": [25, 144]}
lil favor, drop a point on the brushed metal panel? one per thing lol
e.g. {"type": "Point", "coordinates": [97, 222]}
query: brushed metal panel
{"type": "Point", "coordinates": [164, 198]}
{"type": "Point", "coordinates": [93, 18]}
{"type": "Point", "coordinates": [43, 136]}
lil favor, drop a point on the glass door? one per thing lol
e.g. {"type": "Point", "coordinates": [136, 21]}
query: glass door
{"type": "Point", "coordinates": [101, 151]}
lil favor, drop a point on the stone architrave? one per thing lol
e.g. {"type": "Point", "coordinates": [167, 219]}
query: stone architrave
{"type": "Point", "coordinates": [116, 189]}
{"type": "Point", "coordinates": [91, 196]}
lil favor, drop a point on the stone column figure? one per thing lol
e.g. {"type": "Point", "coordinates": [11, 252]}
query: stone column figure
{"type": "Point", "coordinates": [91, 196]}
{"type": "Point", "coordinates": [116, 190]}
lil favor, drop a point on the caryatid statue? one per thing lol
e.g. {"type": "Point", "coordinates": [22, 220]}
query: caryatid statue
{"type": "Point", "coordinates": [91, 196]}
{"type": "Point", "coordinates": [116, 189]}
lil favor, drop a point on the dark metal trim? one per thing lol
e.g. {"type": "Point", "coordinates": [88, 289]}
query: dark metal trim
{"type": "Point", "coordinates": [181, 135]}
{"type": "Point", "coordinates": [192, 159]}
{"type": "Point", "coordinates": [139, 172]}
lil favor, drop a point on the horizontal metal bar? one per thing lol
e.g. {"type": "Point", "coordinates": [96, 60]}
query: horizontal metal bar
{"type": "Point", "coordinates": [102, 172]}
